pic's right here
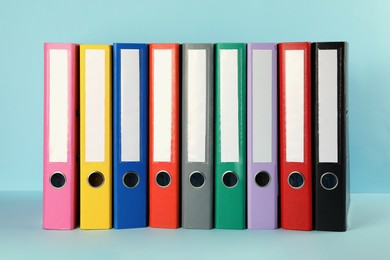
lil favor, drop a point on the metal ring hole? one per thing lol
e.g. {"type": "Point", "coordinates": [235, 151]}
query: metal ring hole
{"type": "Point", "coordinates": [230, 179]}
{"type": "Point", "coordinates": [96, 179]}
{"type": "Point", "coordinates": [329, 181]}
{"type": "Point", "coordinates": [262, 179]}
{"type": "Point", "coordinates": [130, 179]}
{"type": "Point", "coordinates": [197, 179]}
{"type": "Point", "coordinates": [163, 179]}
{"type": "Point", "coordinates": [57, 180]}
{"type": "Point", "coordinates": [296, 180]}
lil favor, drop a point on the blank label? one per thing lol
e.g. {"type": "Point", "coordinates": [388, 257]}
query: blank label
{"type": "Point", "coordinates": [130, 106]}
{"type": "Point", "coordinates": [327, 106]}
{"type": "Point", "coordinates": [95, 81]}
{"type": "Point", "coordinates": [162, 107]}
{"type": "Point", "coordinates": [294, 105]}
{"type": "Point", "coordinates": [58, 105]}
{"type": "Point", "coordinates": [196, 100]}
{"type": "Point", "coordinates": [262, 105]}
{"type": "Point", "coordinates": [229, 105]}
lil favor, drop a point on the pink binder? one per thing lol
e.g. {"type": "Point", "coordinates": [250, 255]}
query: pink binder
{"type": "Point", "coordinates": [60, 164]}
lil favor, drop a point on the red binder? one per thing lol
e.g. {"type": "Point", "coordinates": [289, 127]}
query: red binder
{"type": "Point", "coordinates": [295, 136]}
{"type": "Point", "coordinates": [164, 132]}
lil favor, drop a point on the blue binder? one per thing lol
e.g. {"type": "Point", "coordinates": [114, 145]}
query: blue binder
{"type": "Point", "coordinates": [130, 131]}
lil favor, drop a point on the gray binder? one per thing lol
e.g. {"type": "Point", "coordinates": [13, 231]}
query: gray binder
{"type": "Point", "coordinates": [197, 135]}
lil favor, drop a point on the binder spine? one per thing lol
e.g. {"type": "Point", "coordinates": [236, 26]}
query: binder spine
{"type": "Point", "coordinates": [230, 164]}
{"type": "Point", "coordinates": [164, 161]}
{"type": "Point", "coordinates": [330, 135]}
{"type": "Point", "coordinates": [95, 137]}
{"type": "Point", "coordinates": [295, 160]}
{"type": "Point", "coordinates": [60, 166]}
{"type": "Point", "coordinates": [197, 166]}
{"type": "Point", "coordinates": [262, 135]}
{"type": "Point", "coordinates": [130, 140]}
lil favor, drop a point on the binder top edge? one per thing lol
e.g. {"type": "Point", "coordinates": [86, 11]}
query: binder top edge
{"type": "Point", "coordinates": [129, 44]}
{"type": "Point", "coordinates": [294, 46]}
{"type": "Point", "coordinates": [106, 47]}
{"type": "Point", "coordinates": [59, 45]}
{"type": "Point", "coordinates": [164, 45]}
{"type": "Point", "coordinates": [197, 45]}
{"type": "Point", "coordinates": [262, 46]}
{"type": "Point", "coordinates": [329, 45]}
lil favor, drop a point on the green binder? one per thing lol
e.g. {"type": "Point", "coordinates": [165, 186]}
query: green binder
{"type": "Point", "coordinates": [230, 136]}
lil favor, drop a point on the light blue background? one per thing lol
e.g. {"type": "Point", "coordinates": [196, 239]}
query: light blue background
{"type": "Point", "coordinates": [26, 25]}
{"type": "Point", "coordinates": [367, 237]}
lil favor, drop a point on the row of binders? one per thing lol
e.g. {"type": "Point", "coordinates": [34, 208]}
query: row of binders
{"type": "Point", "coordinates": [226, 135]}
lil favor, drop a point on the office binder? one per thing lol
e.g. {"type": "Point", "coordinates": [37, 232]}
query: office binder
{"type": "Point", "coordinates": [230, 136]}
{"type": "Point", "coordinates": [60, 166]}
{"type": "Point", "coordinates": [164, 161]}
{"type": "Point", "coordinates": [95, 137]}
{"type": "Point", "coordinates": [262, 135]}
{"type": "Point", "coordinates": [197, 166]}
{"type": "Point", "coordinates": [130, 108]}
{"type": "Point", "coordinates": [330, 136]}
{"type": "Point", "coordinates": [295, 136]}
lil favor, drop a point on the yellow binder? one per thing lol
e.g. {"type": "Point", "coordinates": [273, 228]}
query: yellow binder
{"type": "Point", "coordinates": [95, 137]}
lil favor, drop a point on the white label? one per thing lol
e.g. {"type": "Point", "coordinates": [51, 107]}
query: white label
{"type": "Point", "coordinates": [58, 105]}
{"type": "Point", "coordinates": [196, 101]}
{"type": "Point", "coordinates": [162, 107]}
{"type": "Point", "coordinates": [294, 105]}
{"type": "Point", "coordinates": [262, 105]}
{"type": "Point", "coordinates": [229, 105]}
{"type": "Point", "coordinates": [95, 81]}
{"type": "Point", "coordinates": [327, 106]}
{"type": "Point", "coordinates": [130, 106]}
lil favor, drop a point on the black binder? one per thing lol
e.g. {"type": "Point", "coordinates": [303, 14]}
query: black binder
{"type": "Point", "coordinates": [330, 130]}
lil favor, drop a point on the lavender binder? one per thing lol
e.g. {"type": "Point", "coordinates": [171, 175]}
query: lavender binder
{"type": "Point", "coordinates": [262, 160]}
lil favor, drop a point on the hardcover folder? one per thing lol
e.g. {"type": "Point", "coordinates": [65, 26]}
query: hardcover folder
{"type": "Point", "coordinates": [197, 165]}
{"type": "Point", "coordinates": [295, 136]}
{"type": "Point", "coordinates": [95, 137]}
{"type": "Point", "coordinates": [330, 113]}
{"type": "Point", "coordinates": [60, 165]}
{"type": "Point", "coordinates": [164, 157]}
{"type": "Point", "coordinates": [130, 108]}
{"type": "Point", "coordinates": [262, 135]}
{"type": "Point", "coordinates": [230, 136]}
